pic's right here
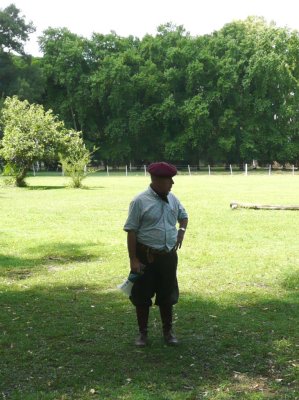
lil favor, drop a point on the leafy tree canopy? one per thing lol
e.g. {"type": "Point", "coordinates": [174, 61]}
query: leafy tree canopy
{"type": "Point", "coordinates": [231, 96]}
{"type": "Point", "coordinates": [14, 30]}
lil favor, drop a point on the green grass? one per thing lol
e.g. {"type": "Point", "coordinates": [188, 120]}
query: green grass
{"type": "Point", "coordinates": [67, 333]}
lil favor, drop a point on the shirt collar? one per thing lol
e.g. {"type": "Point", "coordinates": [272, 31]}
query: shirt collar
{"type": "Point", "coordinates": [157, 195]}
{"type": "Point", "coordinates": [151, 191]}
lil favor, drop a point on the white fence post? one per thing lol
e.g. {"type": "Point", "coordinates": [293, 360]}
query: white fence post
{"type": "Point", "coordinates": [293, 169]}
{"type": "Point", "coordinates": [189, 170]}
{"type": "Point", "coordinates": [126, 170]}
{"type": "Point", "coordinates": [209, 169]}
{"type": "Point", "coordinates": [231, 169]}
{"type": "Point", "coordinates": [144, 170]}
{"type": "Point", "coordinates": [269, 169]}
{"type": "Point", "coordinates": [107, 170]}
{"type": "Point", "coordinates": [246, 169]}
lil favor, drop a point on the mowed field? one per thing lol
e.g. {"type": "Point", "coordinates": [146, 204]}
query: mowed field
{"type": "Point", "coordinates": [67, 333]}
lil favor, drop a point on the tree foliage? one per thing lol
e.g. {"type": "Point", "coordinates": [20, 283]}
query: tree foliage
{"type": "Point", "coordinates": [14, 30]}
{"type": "Point", "coordinates": [75, 159]}
{"type": "Point", "coordinates": [231, 96]}
{"type": "Point", "coordinates": [20, 74]}
{"type": "Point", "coordinates": [32, 135]}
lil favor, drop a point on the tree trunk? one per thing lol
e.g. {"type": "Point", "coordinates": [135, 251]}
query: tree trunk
{"type": "Point", "coordinates": [20, 179]}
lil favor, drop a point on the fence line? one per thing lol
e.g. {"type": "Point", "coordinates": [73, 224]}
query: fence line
{"type": "Point", "coordinates": [197, 170]}
{"type": "Point", "coordinates": [188, 169]}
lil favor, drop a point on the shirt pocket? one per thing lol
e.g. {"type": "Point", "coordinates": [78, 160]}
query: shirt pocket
{"type": "Point", "coordinates": [172, 216]}
{"type": "Point", "coordinates": [152, 216]}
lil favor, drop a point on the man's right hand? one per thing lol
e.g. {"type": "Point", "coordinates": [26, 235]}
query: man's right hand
{"type": "Point", "coordinates": [135, 265]}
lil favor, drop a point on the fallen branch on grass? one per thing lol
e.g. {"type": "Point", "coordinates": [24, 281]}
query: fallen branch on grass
{"type": "Point", "coordinates": [235, 205]}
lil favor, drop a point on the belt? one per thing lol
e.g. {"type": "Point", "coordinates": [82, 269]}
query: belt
{"type": "Point", "coordinates": [150, 251]}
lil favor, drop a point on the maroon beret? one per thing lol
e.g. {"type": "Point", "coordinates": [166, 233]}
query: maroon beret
{"type": "Point", "coordinates": [162, 169]}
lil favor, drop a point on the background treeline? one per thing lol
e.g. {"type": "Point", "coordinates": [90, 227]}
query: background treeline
{"type": "Point", "coordinates": [229, 97]}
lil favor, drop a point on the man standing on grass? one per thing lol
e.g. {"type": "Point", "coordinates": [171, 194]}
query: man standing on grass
{"type": "Point", "coordinates": [153, 241]}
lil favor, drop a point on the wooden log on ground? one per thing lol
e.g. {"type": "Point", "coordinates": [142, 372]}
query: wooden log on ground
{"type": "Point", "coordinates": [235, 205]}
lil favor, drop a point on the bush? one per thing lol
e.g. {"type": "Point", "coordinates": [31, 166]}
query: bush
{"type": "Point", "coordinates": [74, 165]}
{"type": "Point", "coordinates": [31, 134]}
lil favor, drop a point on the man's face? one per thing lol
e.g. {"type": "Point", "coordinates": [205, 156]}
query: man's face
{"type": "Point", "coordinates": [162, 185]}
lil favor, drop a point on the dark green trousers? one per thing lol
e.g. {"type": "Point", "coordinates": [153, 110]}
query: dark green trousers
{"type": "Point", "coordinates": [159, 280]}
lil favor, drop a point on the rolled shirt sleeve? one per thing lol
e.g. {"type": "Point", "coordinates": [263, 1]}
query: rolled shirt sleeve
{"type": "Point", "coordinates": [182, 213]}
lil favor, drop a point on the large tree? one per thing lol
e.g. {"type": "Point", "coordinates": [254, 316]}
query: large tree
{"type": "Point", "coordinates": [66, 67]}
{"type": "Point", "coordinates": [14, 31]}
{"type": "Point", "coordinates": [20, 74]}
{"type": "Point", "coordinates": [244, 80]}
{"type": "Point", "coordinates": [230, 97]}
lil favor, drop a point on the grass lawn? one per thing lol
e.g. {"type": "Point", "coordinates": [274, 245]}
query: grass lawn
{"type": "Point", "coordinates": [67, 333]}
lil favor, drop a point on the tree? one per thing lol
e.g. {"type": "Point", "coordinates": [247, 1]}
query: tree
{"type": "Point", "coordinates": [113, 88]}
{"type": "Point", "coordinates": [31, 135]}
{"type": "Point", "coordinates": [20, 74]}
{"type": "Point", "coordinates": [66, 66]}
{"type": "Point", "coordinates": [271, 82]}
{"type": "Point", "coordinates": [229, 97]}
{"type": "Point", "coordinates": [14, 31]}
{"type": "Point", "coordinates": [249, 94]}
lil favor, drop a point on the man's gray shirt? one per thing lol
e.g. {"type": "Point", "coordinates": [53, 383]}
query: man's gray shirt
{"type": "Point", "coordinates": [154, 220]}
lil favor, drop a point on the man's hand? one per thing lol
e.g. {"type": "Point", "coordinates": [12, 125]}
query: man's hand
{"type": "Point", "coordinates": [135, 265]}
{"type": "Point", "coordinates": [179, 240]}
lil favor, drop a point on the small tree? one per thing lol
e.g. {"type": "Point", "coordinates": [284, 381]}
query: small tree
{"type": "Point", "coordinates": [75, 159]}
{"type": "Point", "coordinates": [31, 134]}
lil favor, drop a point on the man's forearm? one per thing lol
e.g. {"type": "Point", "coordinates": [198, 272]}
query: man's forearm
{"type": "Point", "coordinates": [181, 232]}
{"type": "Point", "coordinates": [131, 242]}
{"type": "Point", "coordinates": [135, 264]}
{"type": "Point", "coordinates": [183, 223]}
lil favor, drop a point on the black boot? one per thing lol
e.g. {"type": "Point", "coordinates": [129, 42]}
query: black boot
{"type": "Point", "coordinates": [142, 313]}
{"type": "Point", "coordinates": [166, 318]}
